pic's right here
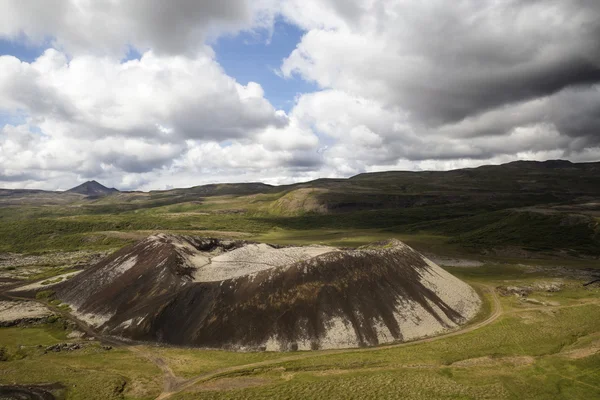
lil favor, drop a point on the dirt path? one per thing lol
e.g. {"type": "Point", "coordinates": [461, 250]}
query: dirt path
{"type": "Point", "coordinates": [171, 381]}
{"type": "Point", "coordinates": [495, 314]}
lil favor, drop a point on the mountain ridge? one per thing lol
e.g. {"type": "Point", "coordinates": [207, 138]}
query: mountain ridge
{"type": "Point", "coordinates": [235, 188]}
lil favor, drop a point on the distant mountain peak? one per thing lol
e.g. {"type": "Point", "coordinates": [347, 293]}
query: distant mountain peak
{"type": "Point", "coordinates": [92, 188]}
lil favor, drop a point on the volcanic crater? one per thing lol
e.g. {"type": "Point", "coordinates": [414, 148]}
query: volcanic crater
{"type": "Point", "coordinates": [240, 295]}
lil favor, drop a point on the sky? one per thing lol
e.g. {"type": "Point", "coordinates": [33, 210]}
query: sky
{"type": "Point", "coordinates": [149, 94]}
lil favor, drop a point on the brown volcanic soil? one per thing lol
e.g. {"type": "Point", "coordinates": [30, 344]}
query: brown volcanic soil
{"type": "Point", "coordinates": [290, 298]}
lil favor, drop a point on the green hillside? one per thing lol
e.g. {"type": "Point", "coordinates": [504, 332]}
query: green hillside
{"type": "Point", "coordinates": [542, 207]}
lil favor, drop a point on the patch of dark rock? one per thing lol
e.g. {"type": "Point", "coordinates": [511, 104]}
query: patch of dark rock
{"type": "Point", "coordinates": [524, 291]}
{"type": "Point", "coordinates": [9, 280]}
{"type": "Point", "coordinates": [232, 211]}
{"type": "Point", "coordinates": [27, 321]}
{"type": "Point", "coordinates": [29, 392]}
{"type": "Point", "coordinates": [57, 348]}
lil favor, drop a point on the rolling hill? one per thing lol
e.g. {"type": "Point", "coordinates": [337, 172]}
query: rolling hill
{"type": "Point", "coordinates": [550, 207]}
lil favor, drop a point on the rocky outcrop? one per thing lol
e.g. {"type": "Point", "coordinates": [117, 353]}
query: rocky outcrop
{"type": "Point", "coordinates": [13, 313]}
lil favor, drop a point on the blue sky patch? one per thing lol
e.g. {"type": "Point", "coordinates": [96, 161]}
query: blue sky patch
{"type": "Point", "coordinates": [254, 57]}
{"type": "Point", "coordinates": [20, 48]}
{"type": "Point", "coordinates": [247, 57]}
{"type": "Point", "coordinates": [132, 54]}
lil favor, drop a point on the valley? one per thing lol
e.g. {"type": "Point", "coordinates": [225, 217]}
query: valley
{"type": "Point", "coordinates": [524, 236]}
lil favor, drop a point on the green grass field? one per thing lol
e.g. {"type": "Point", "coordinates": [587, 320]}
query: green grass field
{"type": "Point", "coordinates": [530, 352]}
{"type": "Point", "coordinates": [469, 226]}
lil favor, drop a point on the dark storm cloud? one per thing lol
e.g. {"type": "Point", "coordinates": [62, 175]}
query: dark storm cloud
{"type": "Point", "coordinates": [577, 115]}
{"type": "Point", "coordinates": [174, 26]}
{"type": "Point", "coordinates": [304, 161]}
{"type": "Point", "coordinates": [574, 112]}
{"type": "Point", "coordinates": [498, 54]}
{"type": "Point", "coordinates": [460, 97]}
{"type": "Point", "coordinates": [18, 177]}
{"type": "Point", "coordinates": [107, 26]}
{"type": "Point", "coordinates": [473, 79]}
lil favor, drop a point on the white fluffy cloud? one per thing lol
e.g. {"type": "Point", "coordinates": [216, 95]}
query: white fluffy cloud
{"type": "Point", "coordinates": [156, 96]}
{"type": "Point", "coordinates": [403, 84]}
{"type": "Point", "coordinates": [100, 117]}
{"type": "Point", "coordinates": [436, 83]}
{"type": "Point", "coordinates": [92, 114]}
{"type": "Point", "coordinates": [446, 61]}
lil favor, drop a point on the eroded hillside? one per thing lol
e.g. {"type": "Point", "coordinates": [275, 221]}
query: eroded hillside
{"type": "Point", "coordinates": [240, 295]}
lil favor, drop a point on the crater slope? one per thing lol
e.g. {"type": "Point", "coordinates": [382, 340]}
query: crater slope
{"type": "Point", "coordinates": [247, 296]}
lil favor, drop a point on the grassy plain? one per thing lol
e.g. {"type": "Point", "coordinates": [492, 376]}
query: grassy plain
{"type": "Point", "coordinates": [471, 225]}
{"type": "Point", "coordinates": [526, 224]}
{"type": "Point", "coordinates": [531, 352]}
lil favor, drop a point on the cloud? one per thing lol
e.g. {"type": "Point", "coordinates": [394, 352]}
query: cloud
{"type": "Point", "coordinates": [402, 84]}
{"type": "Point", "coordinates": [408, 82]}
{"type": "Point", "coordinates": [444, 62]}
{"type": "Point", "coordinates": [92, 96]}
{"type": "Point", "coordinates": [95, 117]}
{"type": "Point", "coordinates": [110, 27]}
{"type": "Point", "coordinates": [29, 159]}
